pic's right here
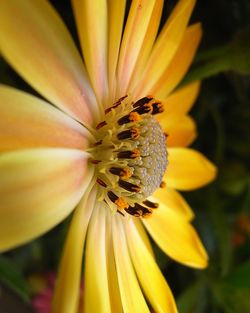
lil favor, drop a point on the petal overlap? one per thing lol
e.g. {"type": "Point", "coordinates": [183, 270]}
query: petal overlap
{"type": "Point", "coordinates": [38, 189]}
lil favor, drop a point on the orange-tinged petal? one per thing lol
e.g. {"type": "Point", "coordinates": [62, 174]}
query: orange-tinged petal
{"type": "Point", "coordinates": [165, 47]}
{"type": "Point", "coordinates": [188, 169]}
{"type": "Point", "coordinates": [130, 291]}
{"type": "Point", "coordinates": [116, 12]}
{"type": "Point", "coordinates": [181, 133]}
{"type": "Point", "coordinates": [36, 43]}
{"type": "Point", "coordinates": [147, 45]}
{"type": "Point", "coordinates": [180, 62]}
{"type": "Point", "coordinates": [66, 295]}
{"type": "Point", "coordinates": [151, 279]}
{"type": "Point", "coordinates": [96, 286]}
{"type": "Point", "coordinates": [180, 101]}
{"type": "Point", "coordinates": [133, 38]}
{"type": "Point", "coordinates": [91, 19]}
{"type": "Point", "coordinates": [176, 237]}
{"type": "Point", "coordinates": [38, 189]}
{"type": "Point", "coordinates": [173, 200]}
{"type": "Point", "coordinates": [27, 121]}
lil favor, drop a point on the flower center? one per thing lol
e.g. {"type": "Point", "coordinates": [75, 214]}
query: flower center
{"type": "Point", "coordinates": [130, 155]}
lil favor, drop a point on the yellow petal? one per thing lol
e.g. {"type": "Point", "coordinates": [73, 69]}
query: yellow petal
{"type": "Point", "coordinates": [181, 133]}
{"type": "Point", "coordinates": [147, 45]}
{"type": "Point", "coordinates": [66, 296]}
{"type": "Point", "coordinates": [91, 19]}
{"type": "Point", "coordinates": [27, 121]}
{"type": "Point", "coordinates": [179, 102]}
{"type": "Point", "coordinates": [188, 169]}
{"type": "Point", "coordinates": [115, 298]}
{"type": "Point", "coordinates": [96, 289]}
{"type": "Point", "coordinates": [180, 62]}
{"type": "Point", "coordinates": [38, 189]}
{"type": "Point", "coordinates": [151, 279]}
{"type": "Point", "coordinates": [36, 43]}
{"type": "Point", "coordinates": [176, 237]}
{"type": "Point", "coordinates": [131, 294]}
{"type": "Point", "coordinates": [173, 200]}
{"type": "Point", "coordinates": [165, 46]}
{"type": "Point", "coordinates": [133, 38]}
{"type": "Point", "coordinates": [116, 10]}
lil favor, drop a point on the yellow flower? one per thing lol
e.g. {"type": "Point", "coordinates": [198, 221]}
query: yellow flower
{"type": "Point", "coordinates": [99, 155]}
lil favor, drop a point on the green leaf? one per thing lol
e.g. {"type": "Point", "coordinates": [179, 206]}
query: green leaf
{"type": "Point", "coordinates": [240, 277]}
{"type": "Point", "coordinates": [187, 300]}
{"type": "Point", "coordinates": [11, 276]}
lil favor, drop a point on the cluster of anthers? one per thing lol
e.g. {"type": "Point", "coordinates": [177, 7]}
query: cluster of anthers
{"type": "Point", "coordinates": [130, 155]}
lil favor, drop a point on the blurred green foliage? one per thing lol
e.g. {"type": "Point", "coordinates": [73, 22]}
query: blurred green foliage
{"type": "Point", "coordinates": [222, 212]}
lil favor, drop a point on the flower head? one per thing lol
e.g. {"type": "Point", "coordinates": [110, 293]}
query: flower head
{"type": "Point", "coordinates": [112, 146]}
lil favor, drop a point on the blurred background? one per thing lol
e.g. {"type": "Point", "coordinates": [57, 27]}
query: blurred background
{"type": "Point", "coordinates": [222, 211]}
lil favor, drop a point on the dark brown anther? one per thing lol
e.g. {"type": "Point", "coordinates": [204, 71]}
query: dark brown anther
{"type": "Point", "coordinates": [129, 118]}
{"type": "Point", "coordinates": [129, 133]}
{"type": "Point", "coordinates": [145, 108]}
{"type": "Point", "coordinates": [101, 182]}
{"type": "Point", "coordinates": [150, 204]}
{"type": "Point", "coordinates": [129, 154]}
{"type": "Point", "coordinates": [100, 125]}
{"type": "Point", "coordinates": [142, 101]}
{"type": "Point", "coordinates": [138, 210]}
{"type": "Point", "coordinates": [118, 211]}
{"type": "Point", "coordinates": [124, 173]}
{"type": "Point", "coordinates": [116, 104]}
{"type": "Point", "coordinates": [119, 201]}
{"type": "Point", "coordinates": [162, 184]}
{"type": "Point", "coordinates": [128, 186]}
{"type": "Point", "coordinates": [157, 107]}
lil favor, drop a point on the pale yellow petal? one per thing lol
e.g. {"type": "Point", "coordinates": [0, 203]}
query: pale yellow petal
{"type": "Point", "coordinates": [27, 121]}
{"type": "Point", "coordinates": [134, 33]}
{"type": "Point", "coordinates": [36, 43]}
{"type": "Point", "coordinates": [180, 62]}
{"type": "Point", "coordinates": [131, 294]}
{"type": "Point", "coordinates": [151, 279]}
{"type": "Point", "coordinates": [173, 200]}
{"type": "Point", "coordinates": [165, 47]}
{"type": "Point", "coordinates": [38, 189]}
{"type": "Point", "coordinates": [114, 292]}
{"type": "Point", "coordinates": [67, 289]}
{"type": "Point", "coordinates": [176, 237]}
{"type": "Point", "coordinates": [179, 102]}
{"type": "Point", "coordinates": [91, 19]}
{"type": "Point", "coordinates": [181, 133]}
{"type": "Point", "coordinates": [96, 286]}
{"type": "Point", "coordinates": [116, 12]}
{"type": "Point", "coordinates": [188, 169]}
{"type": "Point", "coordinates": [147, 45]}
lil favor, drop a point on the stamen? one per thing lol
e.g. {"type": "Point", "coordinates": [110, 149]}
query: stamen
{"type": "Point", "coordinates": [162, 184]}
{"type": "Point", "coordinates": [95, 161]}
{"type": "Point", "coordinates": [129, 133]}
{"type": "Point", "coordinates": [151, 204]}
{"type": "Point", "coordinates": [129, 154]}
{"type": "Point", "coordinates": [128, 186]}
{"type": "Point", "coordinates": [138, 210]}
{"type": "Point", "coordinates": [101, 182]}
{"type": "Point", "coordinates": [157, 108]}
{"type": "Point", "coordinates": [142, 101]}
{"type": "Point", "coordinates": [129, 118]}
{"type": "Point", "coordinates": [145, 108]}
{"type": "Point", "coordinates": [116, 104]}
{"type": "Point", "coordinates": [124, 173]}
{"type": "Point", "coordinates": [100, 125]}
{"type": "Point", "coordinates": [119, 201]}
